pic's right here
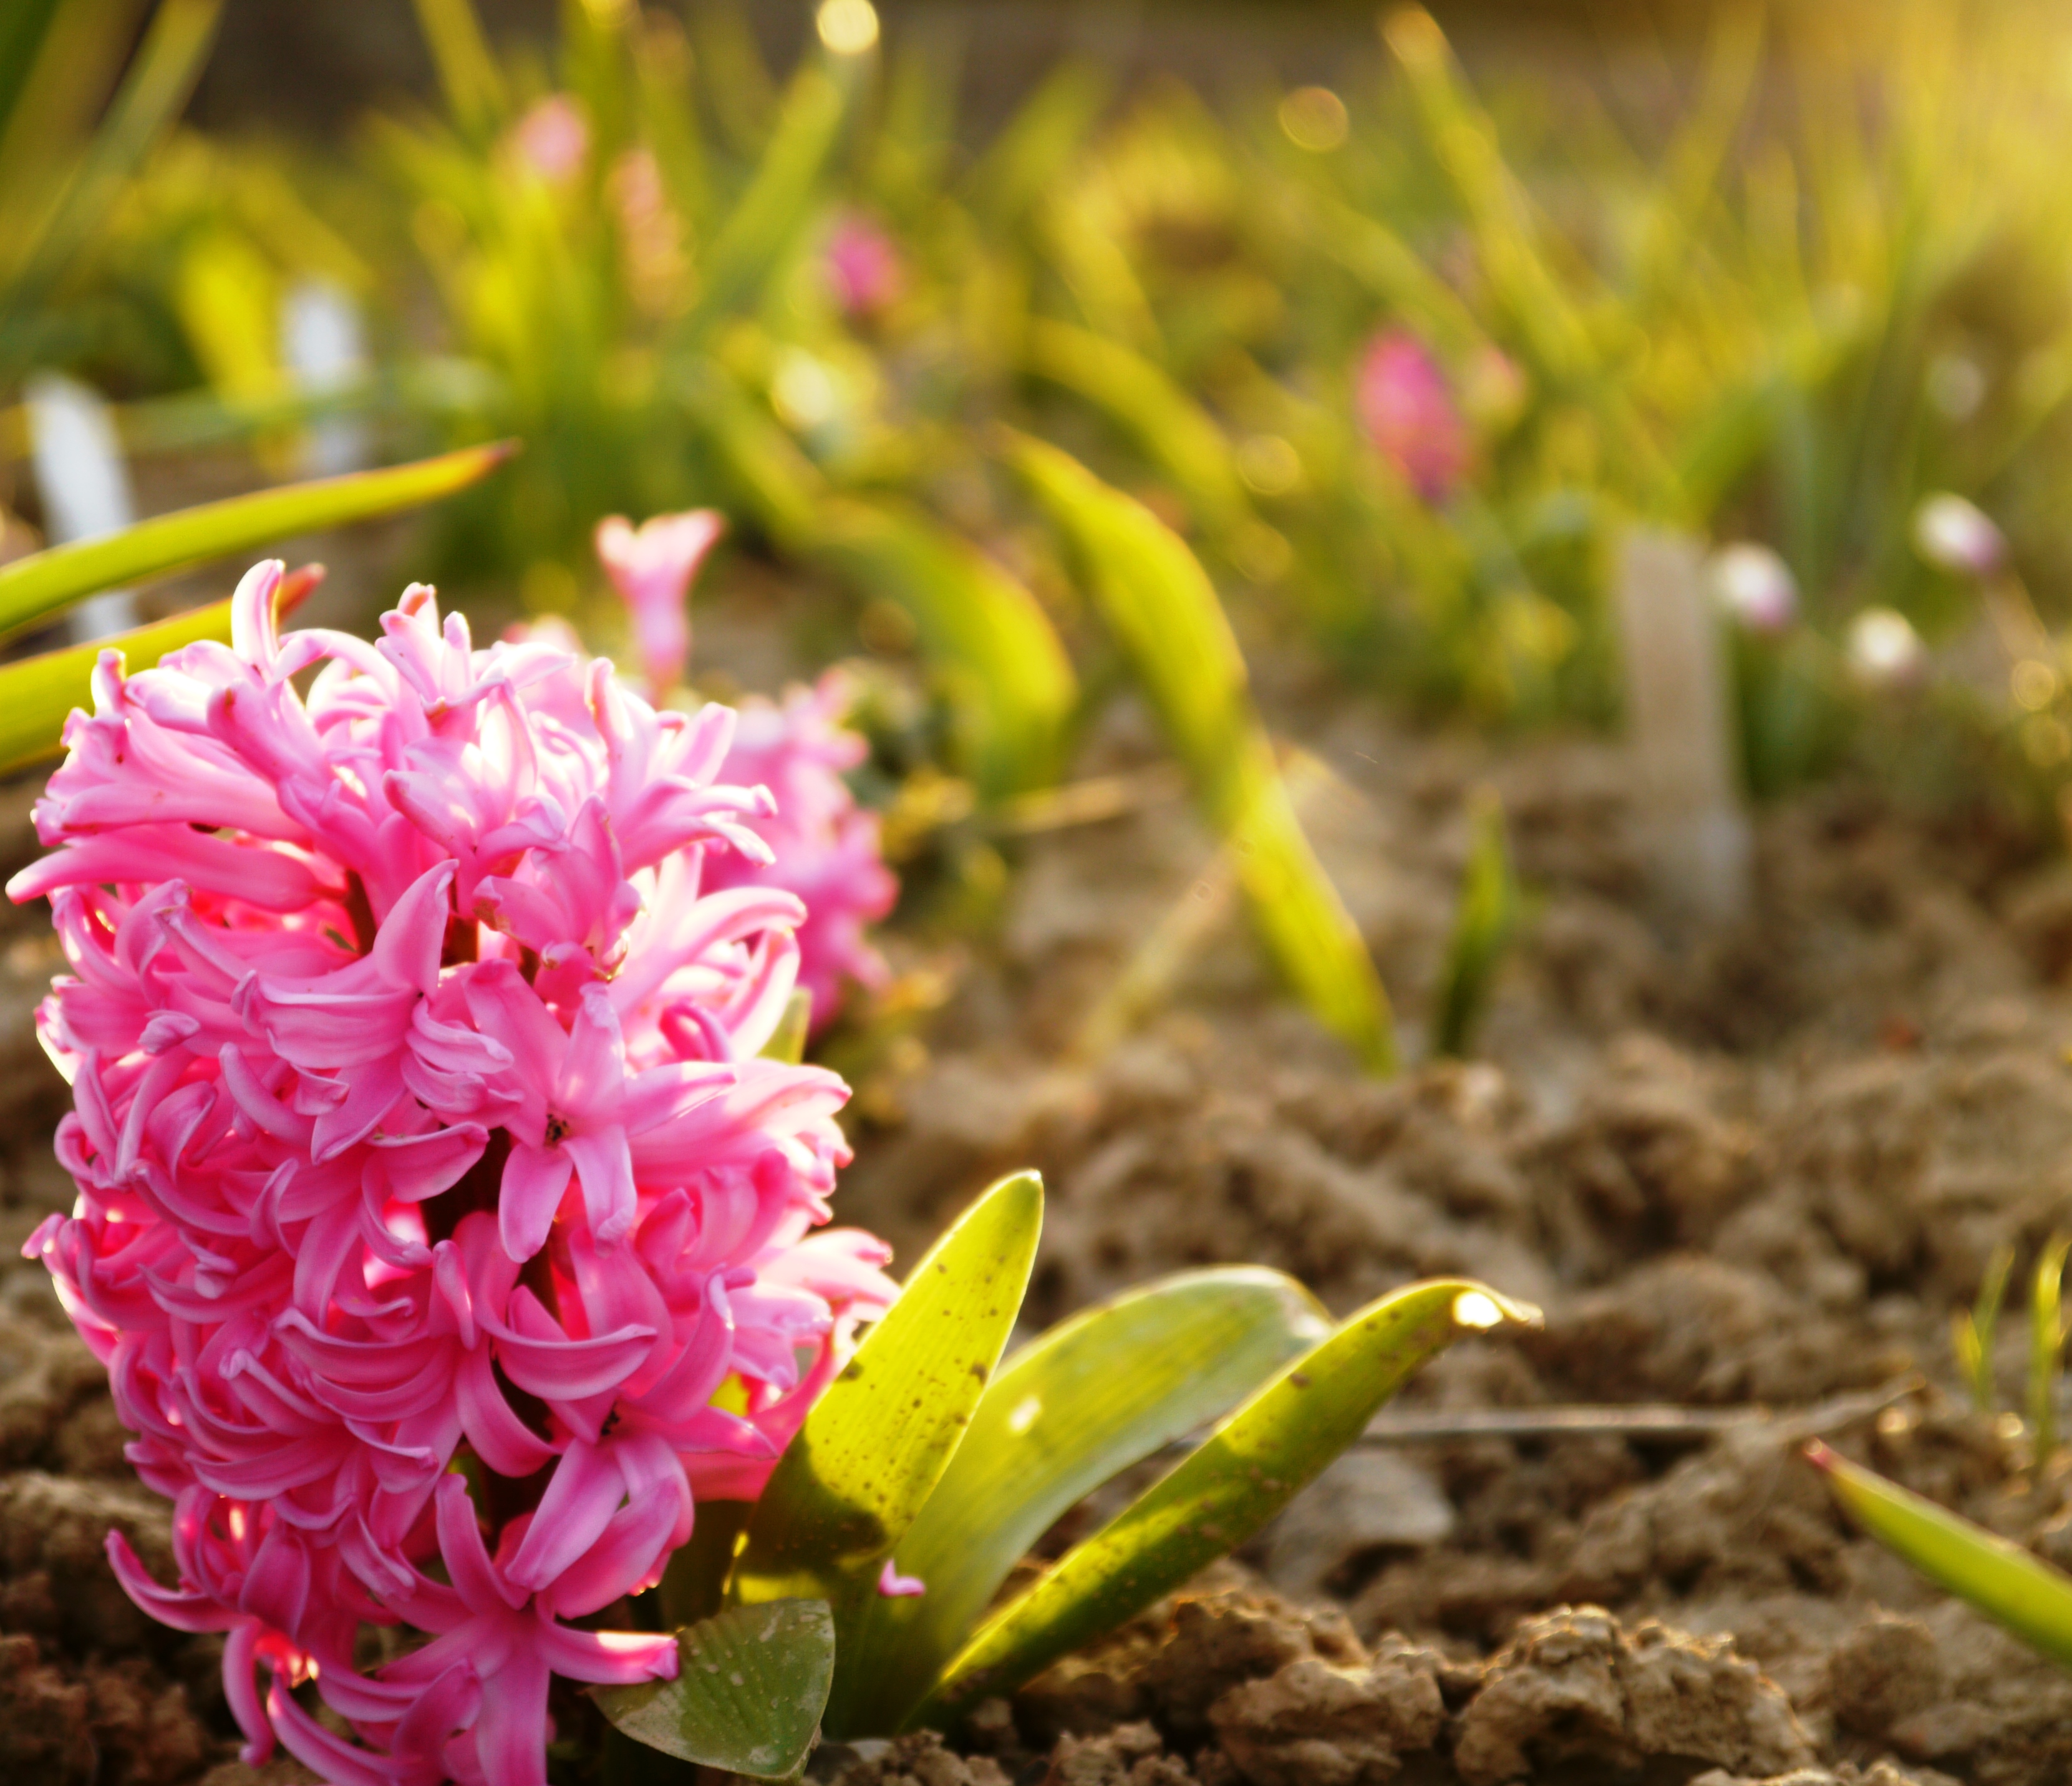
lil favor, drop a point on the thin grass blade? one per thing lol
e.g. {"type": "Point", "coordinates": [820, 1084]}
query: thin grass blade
{"type": "Point", "coordinates": [851, 1483]}
{"type": "Point", "coordinates": [1250, 1468]}
{"type": "Point", "coordinates": [45, 583]}
{"type": "Point", "coordinates": [1162, 610]}
{"type": "Point", "coordinates": [1090, 1397]}
{"type": "Point", "coordinates": [2011, 1586]}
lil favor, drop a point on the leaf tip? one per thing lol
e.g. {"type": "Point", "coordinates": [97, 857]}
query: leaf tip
{"type": "Point", "coordinates": [1819, 1456]}
{"type": "Point", "coordinates": [1479, 1309]}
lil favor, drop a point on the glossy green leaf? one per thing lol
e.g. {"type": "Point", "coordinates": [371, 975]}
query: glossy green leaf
{"type": "Point", "coordinates": [39, 694]}
{"type": "Point", "coordinates": [750, 1685]}
{"type": "Point", "coordinates": [1090, 1397]}
{"type": "Point", "coordinates": [850, 1484]}
{"type": "Point", "coordinates": [1484, 923]}
{"type": "Point", "coordinates": [1162, 609]}
{"type": "Point", "coordinates": [1246, 1471]}
{"type": "Point", "coordinates": [34, 588]}
{"type": "Point", "coordinates": [2011, 1585]}
{"type": "Point", "coordinates": [987, 641]}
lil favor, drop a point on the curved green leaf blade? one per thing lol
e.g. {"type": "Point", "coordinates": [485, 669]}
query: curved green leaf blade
{"type": "Point", "coordinates": [988, 640]}
{"type": "Point", "coordinates": [39, 694]}
{"type": "Point", "coordinates": [1162, 609]}
{"type": "Point", "coordinates": [2011, 1585]}
{"type": "Point", "coordinates": [1092, 1396]}
{"type": "Point", "coordinates": [750, 1685]}
{"type": "Point", "coordinates": [34, 588]}
{"type": "Point", "coordinates": [1172, 430]}
{"type": "Point", "coordinates": [1248, 1469]}
{"type": "Point", "coordinates": [871, 1452]}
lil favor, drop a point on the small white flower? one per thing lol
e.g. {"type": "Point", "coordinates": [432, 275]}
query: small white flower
{"type": "Point", "coordinates": [1957, 536]}
{"type": "Point", "coordinates": [1884, 650]}
{"type": "Point", "coordinates": [1755, 587]}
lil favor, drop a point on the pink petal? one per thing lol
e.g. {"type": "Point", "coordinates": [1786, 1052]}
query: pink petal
{"type": "Point", "coordinates": [896, 1586]}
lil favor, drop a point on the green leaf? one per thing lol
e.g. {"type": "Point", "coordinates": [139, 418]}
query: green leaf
{"type": "Point", "coordinates": [769, 216]}
{"type": "Point", "coordinates": [1162, 609]}
{"type": "Point", "coordinates": [987, 640]}
{"type": "Point", "coordinates": [1166, 425]}
{"type": "Point", "coordinates": [849, 1485]}
{"type": "Point", "coordinates": [2010, 1586]}
{"type": "Point", "coordinates": [468, 74]}
{"type": "Point", "coordinates": [1247, 1470]}
{"type": "Point", "coordinates": [1031, 156]}
{"type": "Point", "coordinates": [34, 588]}
{"type": "Point", "coordinates": [39, 694]}
{"type": "Point", "coordinates": [1092, 1396]}
{"type": "Point", "coordinates": [161, 76]}
{"type": "Point", "coordinates": [1484, 923]}
{"type": "Point", "coordinates": [750, 1685]}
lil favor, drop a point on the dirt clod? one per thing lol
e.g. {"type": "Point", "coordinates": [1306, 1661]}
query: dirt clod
{"type": "Point", "coordinates": [1572, 1688]}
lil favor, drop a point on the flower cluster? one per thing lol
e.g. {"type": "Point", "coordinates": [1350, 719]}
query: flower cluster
{"type": "Point", "coordinates": [822, 846]}
{"type": "Point", "coordinates": [445, 1237]}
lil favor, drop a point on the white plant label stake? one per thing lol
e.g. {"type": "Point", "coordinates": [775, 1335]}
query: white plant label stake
{"type": "Point", "coordinates": [84, 483]}
{"type": "Point", "coordinates": [321, 340]}
{"type": "Point", "coordinates": [1695, 833]}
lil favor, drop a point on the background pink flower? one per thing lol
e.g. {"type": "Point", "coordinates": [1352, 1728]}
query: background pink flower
{"type": "Point", "coordinates": [862, 266]}
{"type": "Point", "coordinates": [1407, 407]}
{"type": "Point", "coordinates": [651, 567]}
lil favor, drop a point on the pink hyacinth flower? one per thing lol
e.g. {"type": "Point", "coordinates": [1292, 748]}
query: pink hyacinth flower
{"type": "Point", "coordinates": [823, 846]}
{"type": "Point", "coordinates": [444, 1235]}
{"type": "Point", "coordinates": [652, 567]}
{"type": "Point", "coordinates": [553, 138]}
{"type": "Point", "coordinates": [862, 266]}
{"type": "Point", "coordinates": [1408, 409]}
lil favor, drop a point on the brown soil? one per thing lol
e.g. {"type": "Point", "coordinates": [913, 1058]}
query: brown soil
{"type": "Point", "coordinates": [1756, 1168]}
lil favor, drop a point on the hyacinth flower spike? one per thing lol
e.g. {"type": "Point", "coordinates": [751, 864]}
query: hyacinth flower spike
{"type": "Point", "coordinates": [431, 1190]}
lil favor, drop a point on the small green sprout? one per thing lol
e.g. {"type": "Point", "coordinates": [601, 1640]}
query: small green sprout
{"type": "Point", "coordinates": [2046, 1345]}
{"type": "Point", "coordinates": [1972, 1329]}
{"type": "Point", "coordinates": [926, 1470]}
{"type": "Point", "coordinates": [1484, 924]}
